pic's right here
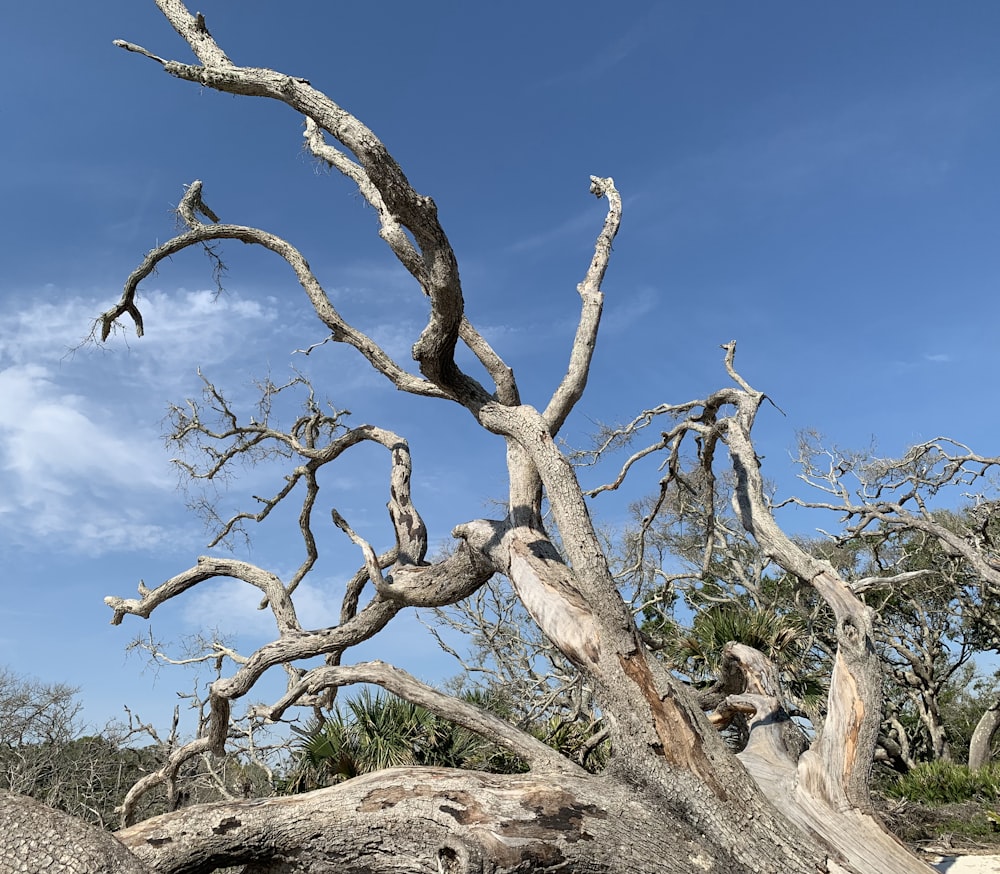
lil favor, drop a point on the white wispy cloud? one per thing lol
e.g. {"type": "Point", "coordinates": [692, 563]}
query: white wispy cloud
{"type": "Point", "coordinates": [572, 227]}
{"type": "Point", "coordinates": [377, 282]}
{"type": "Point", "coordinates": [623, 310]}
{"type": "Point", "coordinates": [613, 52]}
{"type": "Point", "coordinates": [233, 604]}
{"type": "Point", "coordinates": [66, 464]}
{"type": "Point", "coordinates": [189, 329]}
{"type": "Point", "coordinates": [183, 329]}
{"type": "Point", "coordinates": [49, 432]}
{"type": "Point", "coordinates": [922, 362]}
{"type": "Point", "coordinates": [81, 459]}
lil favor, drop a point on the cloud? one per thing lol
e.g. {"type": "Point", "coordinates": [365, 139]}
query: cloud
{"type": "Point", "coordinates": [396, 339]}
{"type": "Point", "coordinates": [581, 228]}
{"type": "Point", "coordinates": [928, 359]}
{"type": "Point", "coordinates": [183, 328]}
{"type": "Point", "coordinates": [44, 330]}
{"type": "Point", "coordinates": [571, 227]}
{"type": "Point", "coordinates": [232, 604]}
{"type": "Point", "coordinates": [80, 449]}
{"type": "Point", "coordinates": [612, 52]}
{"type": "Point", "coordinates": [377, 283]}
{"type": "Point", "coordinates": [65, 465]}
{"type": "Point", "coordinates": [81, 454]}
{"type": "Point", "coordinates": [48, 432]}
{"type": "Point", "coordinates": [622, 312]}
{"type": "Point", "coordinates": [189, 329]}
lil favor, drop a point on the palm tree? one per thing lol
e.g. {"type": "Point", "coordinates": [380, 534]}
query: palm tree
{"type": "Point", "coordinates": [698, 650]}
{"type": "Point", "coordinates": [376, 731]}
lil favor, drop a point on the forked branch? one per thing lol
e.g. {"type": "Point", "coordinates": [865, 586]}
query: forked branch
{"type": "Point", "coordinates": [380, 180]}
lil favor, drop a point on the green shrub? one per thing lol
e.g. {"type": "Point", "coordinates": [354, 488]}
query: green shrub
{"type": "Point", "coordinates": [947, 783]}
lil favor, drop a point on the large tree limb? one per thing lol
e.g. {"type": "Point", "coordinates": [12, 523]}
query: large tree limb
{"type": "Point", "coordinates": [840, 758]}
{"type": "Point", "coordinates": [773, 756]}
{"type": "Point", "coordinates": [544, 584]}
{"type": "Point", "coordinates": [434, 820]}
{"type": "Point", "coordinates": [582, 613]}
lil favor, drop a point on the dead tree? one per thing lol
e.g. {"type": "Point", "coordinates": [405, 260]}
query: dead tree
{"type": "Point", "coordinates": [673, 798]}
{"type": "Point", "coordinates": [878, 498]}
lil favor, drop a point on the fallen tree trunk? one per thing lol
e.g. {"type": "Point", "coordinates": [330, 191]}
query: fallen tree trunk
{"type": "Point", "coordinates": [427, 821]}
{"type": "Point", "coordinates": [436, 820]}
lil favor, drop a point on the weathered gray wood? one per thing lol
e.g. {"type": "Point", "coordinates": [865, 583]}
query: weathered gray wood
{"type": "Point", "coordinates": [35, 839]}
{"type": "Point", "coordinates": [982, 736]}
{"type": "Point", "coordinates": [432, 820]}
{"type": "Point", "coordinates": [674, 799]}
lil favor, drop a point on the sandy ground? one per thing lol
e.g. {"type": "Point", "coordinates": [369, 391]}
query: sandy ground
{"type": "Point", "coordinates": [966, 864]}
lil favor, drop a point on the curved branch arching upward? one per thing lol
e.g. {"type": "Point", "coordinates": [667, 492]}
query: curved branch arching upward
{"type": "Point", "coordinates": [327, 312]}
{"type": "Point", "coordinates": [539, 756]}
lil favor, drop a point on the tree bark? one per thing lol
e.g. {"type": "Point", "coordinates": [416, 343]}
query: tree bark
{"type": "Point", "coordinates": [789, 779]}
{"type": "Point", "coordinates": [431, 820]}
{"type": "Point", "coordinates": [982, 737]}
{"type": "Point", "coordinates": [35, 839]}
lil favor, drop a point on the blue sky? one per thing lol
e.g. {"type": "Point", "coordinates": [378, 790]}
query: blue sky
{"type": "Point", "coordinates": [818, 181]}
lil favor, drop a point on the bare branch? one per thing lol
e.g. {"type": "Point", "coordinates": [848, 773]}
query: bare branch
{"type": "Point", "coordinates": [540, 756]}
{"type": "Point", "coordinates": [448, 581]}
{"type": "Point", "coordinates": [381, 181]}
{"type": "Point", "coordinates": [139, 50]}
{"type": "Point", "coordinates": [328, 314]}
{"type": "Point", "coordinates": [866, 584]}
{"type": "Point", "coordinates": [209, 567]}
{"type": "Point", "coordinates": [575, 381]}
{"type": "Point", "coordinates": [213, 741]}
{"type": "Point", "coordinates": [501, 374]}
{"type": "Point", "coordinates": [193, 30]}
{"type": "Point", "coordinates": [371, 560]}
